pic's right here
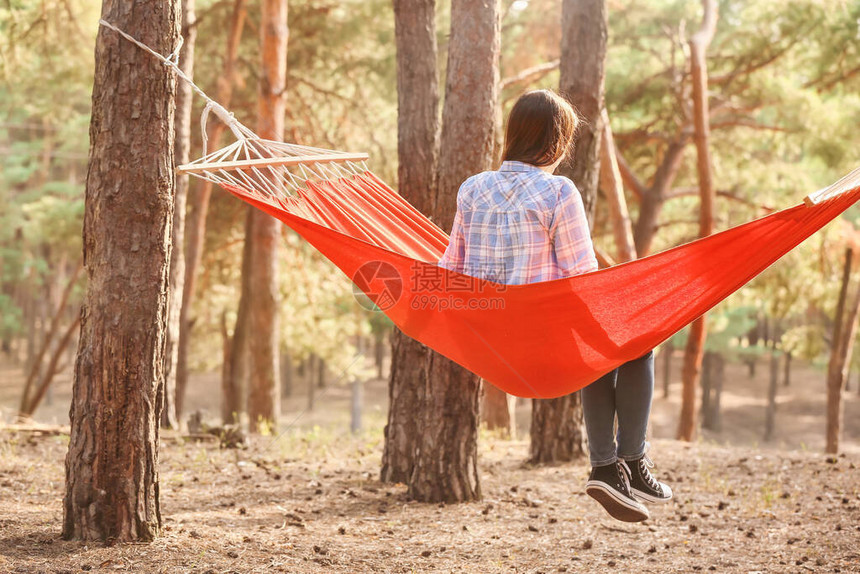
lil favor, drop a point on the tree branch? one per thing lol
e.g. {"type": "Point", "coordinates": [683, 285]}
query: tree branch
{"type": "Point", "coordinates": [529, 74]}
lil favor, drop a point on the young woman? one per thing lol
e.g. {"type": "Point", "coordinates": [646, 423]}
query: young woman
{"type": "Point", "coordinates": [522, 224]}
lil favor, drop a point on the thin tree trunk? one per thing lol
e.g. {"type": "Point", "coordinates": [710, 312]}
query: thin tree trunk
{"type": "Point", "coordinates": [582, 73]}
{"type": "Point", "coordinates": [696, 341]}
{"type": "Point", "coordinates": [321, 374]}
{"type": "Point", "coordinates": [445, 468]}
{"type": "Point", "coordinates": [235, 379]}
{"type": "Point", "coordinates": [379, 354]}
{"type": "Point", "coordinates": [264, 397]}
{"type": "Point", "coordinates": [311, 382]}
{"type": "Point", "coordinates": [844, 333]}
{"type": "Point", "coordinates": [714, 419]}
{"type": "Point", "coordinates": [786, 376]}
{"type": "Point", "coordinates": [52, 367]}
{"type": "Point", "coordinates": [195, 228]}
{"type": "Point", "coordinates": [707, 372]}
{"type": "Point", "coordinates": [112, 463]}
{"type": "Point", "coordinates": [357, 398]}
{"type": "Point", "coordinates": [36, 366]}
{"type": "Point", "coordinates": [770, 413]}
{"type": "Point", "coordinates": [182, 153]}
{"type": "Point", "coordinates": [287, 374]}
{"type": "Point", "coordinates": [613, 189]}
{"type": "Point", "coordinates": [227, 417]}
{"type": "Point", "coordinates": [498, 411]}
{"type": "Point", "coordinates": [417, 150]}
{"type": "Point", "coordinates": [668, 349]}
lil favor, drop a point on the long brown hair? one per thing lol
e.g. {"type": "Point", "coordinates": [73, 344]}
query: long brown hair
{"type": "Point", "coordinates": [541, 127]}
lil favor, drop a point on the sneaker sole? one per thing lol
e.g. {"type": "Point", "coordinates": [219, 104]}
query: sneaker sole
{"type": "Point", "coordinates": [617, 507]}
{"type": "Point", "coordinates": [644, 496]}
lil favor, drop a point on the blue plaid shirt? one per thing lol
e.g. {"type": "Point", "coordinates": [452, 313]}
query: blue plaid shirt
{"type": "Point", "coordinates": [519, 225]}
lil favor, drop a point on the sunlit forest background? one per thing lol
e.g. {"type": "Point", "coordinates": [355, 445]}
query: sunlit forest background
{"type": "Point", "coordinates": [785, 105]}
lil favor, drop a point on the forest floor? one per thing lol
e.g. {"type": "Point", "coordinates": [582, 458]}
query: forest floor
{"type": "Point", "coordinates": [314, 504]}
{"type": "Point", "coordinates": [309, 500]}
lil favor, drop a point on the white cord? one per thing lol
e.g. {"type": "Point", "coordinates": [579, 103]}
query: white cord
{"type": "Point", "coordinates": [240, 131]}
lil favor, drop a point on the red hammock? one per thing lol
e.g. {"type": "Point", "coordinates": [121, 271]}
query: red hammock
{"type": "Point", "coordinates": [542, 340]}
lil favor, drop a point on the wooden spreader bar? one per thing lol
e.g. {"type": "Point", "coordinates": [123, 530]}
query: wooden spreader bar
{"type": "Point", "coordinates": [270, 162]}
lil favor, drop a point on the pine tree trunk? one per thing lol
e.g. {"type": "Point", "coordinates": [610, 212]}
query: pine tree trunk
{"type": "Point", "coordinates": [417, 143]}
{"type": "Point", "coordinates": [613, 189]}
{"type": "Point", "coordinates": [707, 372]}
{"type": "Point", "coordinates": [235, 378]}
{"type": "Point", "coordinates": [445, 468]}
{"type": "Point", "coordinates": [35, 371]}
{"type": "Point", "coordinates": [498, 411]}
{"type": "Point", "coordinates": [264, 398]}
{"type": "Point", "coordinates": [182, 153]}
{"type": "Point", "coordinates": [582, 73]}
{"type": "Point", "coordinates": [112, 463]}
{"type": "Point", "coordinates": [287, 374]}
{"type": "Point", "coordinates": [698, 332]}
{"type": "Point", "coordinates": [312, 362]}
{"type": "Point", "coordinates": [770, 413]}
{"type": "Point", "coordinates": [379, 354]}
{"type": "Point", "coordinates": [668, 349]}
{"type": "Point", "coordinates": [51, 369]}
{"type": "Point", "coordinates": [844, 333]}
{"type": "Point", "coordinates": [714, 421]}
{"type": "Point", "coordinates": [195, 228]}
{"type": "Point", "coordinates": [557, 433]}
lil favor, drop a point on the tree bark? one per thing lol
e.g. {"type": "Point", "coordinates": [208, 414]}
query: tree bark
{"type": "Point", "coordinates": [417, 144]}
{"type": "Point", "coordinates": [112, 463]}
{"type": "Point", "coordinates": [698, 332]}
{"type": "Point", "coordinates": [182, 154]}
{"type": "Point", "coordinates": [195, 228]}
{"type": "Point", "coordinates": [445, 464]}
{"type": "Point", "coordinates": [498, 411]}
{"type": "Point", "coordinates": [613, 189]}
{"type": "Point", "coordinates": [264, 398]}
{"type": "Point", "coordinates": [557, 430]}
{"type": "Point", "coordinates": [235, 378]}
{"type": "Point", "coordinates": [582, 73]}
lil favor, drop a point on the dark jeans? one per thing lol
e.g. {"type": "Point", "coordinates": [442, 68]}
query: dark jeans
{"type": "Point", "coordinates": [627, 392]}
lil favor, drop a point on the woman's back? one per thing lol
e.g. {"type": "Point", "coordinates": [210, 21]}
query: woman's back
{"type": "Point", "coordinates": [519, 225]}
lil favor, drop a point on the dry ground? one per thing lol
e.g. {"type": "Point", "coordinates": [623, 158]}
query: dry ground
{"type": "Point", "coordinates": [314, 504]}
{"type": "Point", "coordinates": [310, 501]}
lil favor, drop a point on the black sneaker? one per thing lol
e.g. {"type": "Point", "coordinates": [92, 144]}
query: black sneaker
{"type": "Point", "coordinates": [610, 486]}
{"type": "Point", "coordinates": [643, 485]}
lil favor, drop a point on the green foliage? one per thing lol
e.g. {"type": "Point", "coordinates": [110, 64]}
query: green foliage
{"type": "Point", "coordinates": [45, 85]}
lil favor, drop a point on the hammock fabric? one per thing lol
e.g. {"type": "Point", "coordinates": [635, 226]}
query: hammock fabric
{"type": "Point", "coordinates": [542, 340]}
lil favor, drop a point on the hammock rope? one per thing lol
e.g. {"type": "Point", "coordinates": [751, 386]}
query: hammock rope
{"type": "Point", "coordinates": [541, 340]}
